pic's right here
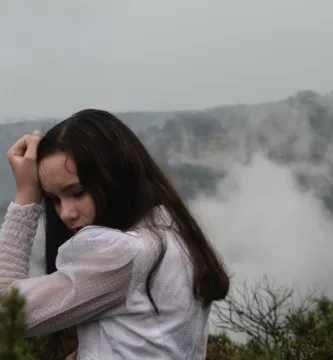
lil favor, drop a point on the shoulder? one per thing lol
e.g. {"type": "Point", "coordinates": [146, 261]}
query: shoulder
{"type": "Point", "coordinates": [100, 240]}
{"type": "Point", "coordinates": [93, 232]}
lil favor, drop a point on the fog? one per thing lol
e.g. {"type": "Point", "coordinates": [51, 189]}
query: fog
{"type": "Point", "coordinates": [58, 57]}
{"type": "Point", "coordinates": [267, 226]}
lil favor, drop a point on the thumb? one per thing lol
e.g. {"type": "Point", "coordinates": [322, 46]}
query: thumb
{"type": "Point", "coordinates": [33, 145]}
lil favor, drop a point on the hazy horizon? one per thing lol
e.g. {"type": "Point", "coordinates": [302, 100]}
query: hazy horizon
{"type": "Point", "coordinates": [150, 55]}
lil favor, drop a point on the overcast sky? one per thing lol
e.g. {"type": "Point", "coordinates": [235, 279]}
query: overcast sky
{"type": "Point", "coordinates": [57, 57]}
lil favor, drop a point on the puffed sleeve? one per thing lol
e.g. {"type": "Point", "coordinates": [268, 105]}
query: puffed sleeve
{"type": "Point", "coordinates": [94, 271]}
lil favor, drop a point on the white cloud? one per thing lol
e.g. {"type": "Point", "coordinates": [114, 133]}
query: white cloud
{"type": "Point", "coordinates": [266, 226]}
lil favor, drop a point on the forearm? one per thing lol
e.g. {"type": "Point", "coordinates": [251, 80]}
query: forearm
{"type": "Point", "coordinates": [29, 197]}
{"type": "Point", "coordinates": [16, 238]}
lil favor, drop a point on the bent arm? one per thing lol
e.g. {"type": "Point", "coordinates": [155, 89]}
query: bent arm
{"type": "Point", "coordinates": [93, 274]}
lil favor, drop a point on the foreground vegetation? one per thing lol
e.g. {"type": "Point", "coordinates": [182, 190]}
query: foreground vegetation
{"type": "Point", "coordinates": [275, 328]}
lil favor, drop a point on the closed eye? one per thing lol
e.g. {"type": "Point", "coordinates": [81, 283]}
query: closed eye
{"type": "Point", "coordinates": [54, 199]}
{"type": "Point", "coordinates": [79, 194]}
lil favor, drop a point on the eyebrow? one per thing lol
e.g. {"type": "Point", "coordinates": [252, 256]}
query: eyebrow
{"type": "Point", "coordinates": [70, 186]}
{"type": "Point", "coordinates": [65, 188]}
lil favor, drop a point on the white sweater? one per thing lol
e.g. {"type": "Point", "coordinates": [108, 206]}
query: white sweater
{"type": "Point", "coordinates": [99, 286]}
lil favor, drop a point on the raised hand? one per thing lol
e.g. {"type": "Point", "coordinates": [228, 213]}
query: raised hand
{"type": "Point", "coordinates": [22, 158]}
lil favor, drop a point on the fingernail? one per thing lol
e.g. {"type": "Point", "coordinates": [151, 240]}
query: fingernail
{"type": "Point", "coordinates": [36, 133]}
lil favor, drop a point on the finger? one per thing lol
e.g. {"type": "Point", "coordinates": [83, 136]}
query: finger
{"type": "Point", "coordinates": [31, 152]}
{"type": "Point", "coordinates": [20, 147]}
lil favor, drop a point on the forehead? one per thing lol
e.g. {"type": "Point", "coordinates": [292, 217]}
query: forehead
{"type": "Point", "coordinates": [57, 171]}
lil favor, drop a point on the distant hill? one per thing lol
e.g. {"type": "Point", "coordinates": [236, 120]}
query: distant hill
{"type": "Point", "coordinates": [196, 148]}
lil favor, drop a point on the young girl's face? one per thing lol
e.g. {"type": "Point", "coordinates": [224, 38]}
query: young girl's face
{"type": "Point", "coordinates": [60, 183]}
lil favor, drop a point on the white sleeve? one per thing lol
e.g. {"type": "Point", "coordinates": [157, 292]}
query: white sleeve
{"type": "Point", "coordinates": [94, 270]}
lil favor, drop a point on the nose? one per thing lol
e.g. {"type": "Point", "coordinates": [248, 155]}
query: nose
{"type": "Point", "coordinates": [68, 212]}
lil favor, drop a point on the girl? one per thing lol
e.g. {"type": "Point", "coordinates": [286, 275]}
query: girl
{"type": "Point", "coordinates": [126, 262]}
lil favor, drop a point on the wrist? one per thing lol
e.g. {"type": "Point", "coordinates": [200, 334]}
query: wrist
{"type": "Point", "coordinates": [28, 197]}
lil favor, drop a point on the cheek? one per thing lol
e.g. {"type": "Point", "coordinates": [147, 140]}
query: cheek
{"type": "Point", "coordinates": [89, 208]}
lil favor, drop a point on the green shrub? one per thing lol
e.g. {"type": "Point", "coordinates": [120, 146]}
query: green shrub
{"type": "Point", "coordinates": [303, 335]}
